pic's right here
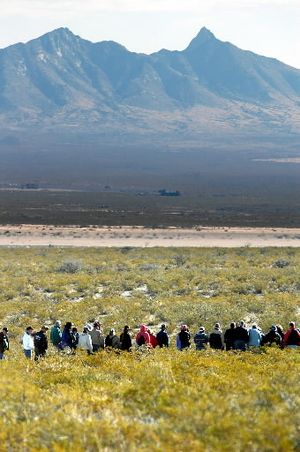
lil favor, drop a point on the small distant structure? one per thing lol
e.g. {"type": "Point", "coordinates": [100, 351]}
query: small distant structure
{"type": "Point", "coordinates": [164, 192]}
{"type": "Point", "coordinates": [30, 186]}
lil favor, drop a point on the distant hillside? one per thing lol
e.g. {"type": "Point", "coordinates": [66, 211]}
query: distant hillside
{"type": "Point", "coordinates": [64, 83]}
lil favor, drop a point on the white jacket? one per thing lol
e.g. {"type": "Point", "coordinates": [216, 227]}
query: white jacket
{"type": "Point", "coordinates": [85, 342]}
{"type": "Point", "coordinates": [28, 343]}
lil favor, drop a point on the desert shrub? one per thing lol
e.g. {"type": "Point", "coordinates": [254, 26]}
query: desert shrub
{"type": "Point", "coordinates": [70, 267]}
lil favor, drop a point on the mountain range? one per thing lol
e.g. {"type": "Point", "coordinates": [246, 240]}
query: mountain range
{"type": "Point", "coordinates": [61, 82]}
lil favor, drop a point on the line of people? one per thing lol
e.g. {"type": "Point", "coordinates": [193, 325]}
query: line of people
{"type": "Point", "coordinates": [92, 339]}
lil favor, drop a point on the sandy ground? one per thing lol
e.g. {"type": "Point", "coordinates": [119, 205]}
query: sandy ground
{"type": "Point", "coordinates": [38, 235]}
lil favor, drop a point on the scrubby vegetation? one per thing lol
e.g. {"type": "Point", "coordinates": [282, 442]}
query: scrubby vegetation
{"type": "Point", "coordinates": [162, 399]}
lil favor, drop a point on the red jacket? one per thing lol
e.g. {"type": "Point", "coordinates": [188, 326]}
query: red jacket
{"type": "Point", "coordinates": [292, 337]}
{"type": "Point", "coordinates": [144, 335]}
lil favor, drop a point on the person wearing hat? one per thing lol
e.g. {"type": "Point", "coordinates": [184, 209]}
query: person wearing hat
{"type": "Point", "coordinates": [216, 338]}
{"type": "Point", "coordinates": [163, 337]}
{"type": "Point", "coordinates": [40, 343]}
{"type": "Point", "coordinates": [4, 342]}
{"type": "Point", "coordinates": [201, 339]}
{"type": "Point", "coordinates": [272, 337]}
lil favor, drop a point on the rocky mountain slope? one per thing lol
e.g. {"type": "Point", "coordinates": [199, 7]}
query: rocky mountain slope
{"type": "Point", "coordinates": [64, 83]}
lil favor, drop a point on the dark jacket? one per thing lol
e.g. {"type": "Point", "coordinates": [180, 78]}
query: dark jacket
{"type": "Point", "coordinates": [40, 342]}
{"type": "Point", "coordinates": [229, 338]}
{"type": "Point", "coordinates": [272, 337]}
{"type": "Point", "coordinates": [162, 338]}
{"type": "Point", "coordinates": [67, 338]}
{"type": "Point", "coordinates": [125, 341]}
{"type": "Point", "coordinates": [185, 339]}
{"type": "Point", "coordinates": [241, 334]}
{"type": "Point", "coordinates": [200, 339]}
{"type": "Point", "coordinates": [4, 342]}
{"type": "Point", "coordinates": [215, 340]}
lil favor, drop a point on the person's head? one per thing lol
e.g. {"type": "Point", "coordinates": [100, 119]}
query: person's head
{"type": "Point", "coordinates": [74, 329]}
{"type": "Point", "coordinates": [143, 328]}
{"type": "Point", "coordinates": [112, 332]}
{"type": "Point", "coordinates": [274, 328]}
{"type": "Point", "coordinates": [232, 325]}
{"type": "Point", "coordinates": [68, 325]}
{"type": "Point", "coordinates": [163, 327]}
{"type": "Point", "coordinates": [217, 326]}
{"type": "Point", "coordinates": [242, 323]}
{"type": "Point", "coordinates": [126, 329]}
{"type": "Point", "coordinates": [201, 329]}
{"type": "Point", "coordinates": [29, 330]}
{"type": "Point", "coordinates": [254, 326]}
{"type": "Point", "coordinates": [292, 325]}
{"type": "Point", "coordinates": [96, 325]}
{"type": "Point", "coordinates": [184, 328]}
{"type": "Point", "coordinates": [85, 330]}
{"type": "Point", "coordinates": [58, 323]}
{"type": "Point", "coordinates": [44, 329]}
{"type": "Point", "coordinates": [5, 330]}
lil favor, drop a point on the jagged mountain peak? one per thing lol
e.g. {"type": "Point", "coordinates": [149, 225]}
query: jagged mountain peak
{"type": "Point", "coordinates": [204, 36]}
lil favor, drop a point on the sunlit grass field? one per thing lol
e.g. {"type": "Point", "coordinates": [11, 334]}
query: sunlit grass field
{"type": "Point", "coordinates": [161, 399]}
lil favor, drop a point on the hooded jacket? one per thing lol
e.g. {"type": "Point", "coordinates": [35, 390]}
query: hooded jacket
{"type": "Point", "coordinates": [292, 337]}
{"type": "Point", "coordinates": [143, 337]}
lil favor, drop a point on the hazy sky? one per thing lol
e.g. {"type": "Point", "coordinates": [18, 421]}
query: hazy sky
{"type": "Point", "coordinates": [268, 27]}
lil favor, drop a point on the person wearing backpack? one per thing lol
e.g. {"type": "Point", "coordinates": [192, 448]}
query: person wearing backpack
{"type": "Point", "coordinates": [201, 339]}
{"type": "Point", "coordinates": [4, 342]}
{"type": "Point", "coordinates": [56, 334]}
{"type": "Point", "coordinates": [163, 337]}
{"type": "Point", "coordinates": [292, 337]}
{"type": "Point", "coordinates": [40, 343]}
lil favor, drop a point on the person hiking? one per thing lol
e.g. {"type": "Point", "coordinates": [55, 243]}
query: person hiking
{"type": "Point", "coordinates": [201, 339]}
{"type": "Point", "coordinates": [4, 342]}
{"type": "Point", "coordinates": [66, 339]}
{"type": "Point", "coordinates": [229, 336]}
{"type": "Point", "coordinates": [163, 337]}
{"type": "Point", "coordinates": [112, 340]}
{"type": "Point", "coordinates": [184, 337]}
{"type": "Point", "coordinates": [97, 337]}
{"type": "Point", "coordinates": [143, 337]}
{"type": "Point", "coordinates": [75, 338]}
{"type": "Point", "coordinates": [292, 336]}
{"type": "Point", "coordinates": [215, 338]}
{"type": "Point", "coordinates": [241, 337]}
{"type": "Point", "coordinates": [255, 336]}
{"type": "Point", "coordinates": [56, 334]}
{"type": "Point", "coordinates": [85, 341]}
{"type": "Point", "coordinates": [272, 337]}
{"type": "Point", "coordinates": [125, 339]}
{"type": "Point", "coordinates": [40, 343]}
{"type": "Point", "coordinates": [28, 342]}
